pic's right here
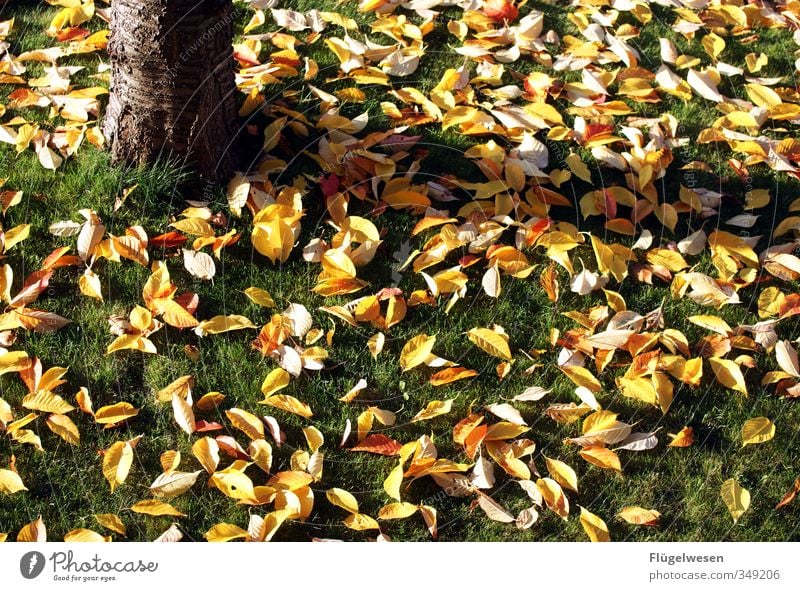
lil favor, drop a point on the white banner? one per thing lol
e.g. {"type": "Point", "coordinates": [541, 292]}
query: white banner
{"type": "Point", "coordinates": [389, 566]}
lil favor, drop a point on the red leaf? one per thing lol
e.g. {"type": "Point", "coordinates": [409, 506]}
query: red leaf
{"type": "Point", "coordinates": [595, 130]}
{"type": "Point", "coordinates": [500, 10]}
{"type": "Point", "coordinates": [244, 59]}
{"type": "Point", "coordinates": [378, 444]}
{"type": "Point", "coordinates": [34, 284]}
{"type": "Point", "coordinates": [329, 185]}
{"type": "Point", "coordinates": [72, 34]}
{"type": "Point", "coordinates": [203, 426]}
{"type": "Point", "coordinates": [189, 301]}
{"type": "Point", "coordinates": [231, 447]}
{"type": "Point", "coordinates": [168, 240]}
{"type": "Point", "coordinates": [469, 260]}
{"type": "Point", "coordinates": [610, 205]}
{"type": "Point", "coordinates": [57, 259]}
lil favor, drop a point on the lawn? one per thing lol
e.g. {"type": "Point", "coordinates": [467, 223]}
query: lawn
{"type": "Point", "coordinates": [66, 484]}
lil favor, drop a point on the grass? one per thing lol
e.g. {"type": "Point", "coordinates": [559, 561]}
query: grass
{"type": "Point", "coordinates": [66, 485]}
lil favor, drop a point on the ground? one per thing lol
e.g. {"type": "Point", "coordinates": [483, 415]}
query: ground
{"type": "Point", "coordinates": [66, 485]}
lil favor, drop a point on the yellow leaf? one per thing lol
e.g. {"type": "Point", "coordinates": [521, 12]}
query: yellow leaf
{"type": "Point", "coordinates": [416, 351]}
{"type": "Point", "coordinates": [13, 361]}
{"type": "Point", "coordinates": [490, 341]}
{"type": "Point", "coordinates": [638, 388]}
{"type": "Point", "coordinates": [562, 474]}
{"type": "Point", "coordinates": [684, 438]}
{"type": "Point", "coordinates": [260, 297]}
{"type": "Point", "coordinates": [361, 522]}
{"type": "Point", "coordinates": [73, 15]}
{"type": "Point", "coordinates": [33, 532]}
{"type": "Point", "coordinates": [582, 377]}
{"type": "Point", "coordinates": [238, 189]}
{"type": "Point", "coordinates": [728, 374]}
{"type": "Point", "coordinates": [210, 401]}
{"type": "Point", "coordinates": [375, 344]}
{"type": "Point", "coordinates": [713, 44]}
{"type": "Point", "coordinates": [170, 460]}
{"type": "Point", "coordinates": [89, 284]}
{"type": "Point", "coordinates": [29, 437]}
{"type": "Point", "coordinates": [272, 133]}
{"type": "Point", "coordinates": [451, 374]}
{"type": "Point", "coordinates": [276, 380]}
{"type": "Point", "coordinates": [174, 314]}
{"type": "Point", "coordinates": [342, 498]}
{"type": "Point", "coordinates": [667, 215]}
{"type": "Point", "coordinates": [85, 535]}
{"type": "Point", "coordinates": [714, 323]}
{"type": "Point", "coordinates": [63, 426]}
{"type": "Point", "coordinates": [351, 394]}
{"type": "Point", "coordinates": [758, 430]}
{"type": "Point", "coordinates": [314, 438]}
{"type": "Point", "coordinates": [736, 498]}
{"type": "Point", "coordinates": [667, 258]}
{"type": "Point", "coordinates": [595, 528]}
{"type": "Point", "coordinates": [769, 302]}
{"type": "Point", "coordinates": [115, 413]}
{"type": "Point", "coordinates": [225, 532]}
{"type": "Point", "coordinates": [430, 517]}
{"type": "Point", "coordinates": [45, 401]}
{"type": "Point", "coordinates": [433, 409]}
{"type": "Point", "coordinates": [112, 522]}
{"type": "Point", "coordinates": [762, 96]}
{"type": "Point", "coordinates": [233, 482]}
{"type": "Point", "coordinates": [639, 515]}
{"type": "Point", "coordinates": [16, 235]}
{"type": "Point", "coordinates": [84, 401]}
{"type": "Point", "coordinates": [392, 483]}
{"type": "Point", "coordinates": [247, 423]}
{"type": "Point", "coordinates": [274, 236]}
{"type": "Point", "coordinates": [182, 387]}
{"type": "Point", "coordinates": [608, 261]}
{"type": "Point", "coordinates": [261, 452]}
{"type": "Point", "coordinates": [117, 463]}
{"type": "Point", "coordinates": [156, 508]}
{"type": "Point", "coordinates": [410, 199]}
{"type": "Point", "coordinates": [397, 511]}
{"type": "Point", "coordinates": [289, 404]}
{"type": "Point", "coordinates": [272, 522]}
{"type": "Point", "coordinates": [12, 428]}
{"type": "Point", "coordinates": [193, 226]}
{"type": "Point", "coordinates": [554, 497]}
{"type": "Point", "coordinates": [10, 482]}
{"type": "Point", "coordinates": [578, 168]}
{"type": "Point", "coordinates": [504, 430]}
{"type": "Point", "coordinates": [601, 457]}
{"type": "Point", "coordinates": [336, 263]}
{"type": "Point", "coordinates": [220, 324]}
{"type": "Point", "coordinates": [290, 480]}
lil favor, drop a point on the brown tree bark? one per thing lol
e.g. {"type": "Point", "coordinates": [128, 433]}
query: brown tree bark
{"type": "Point", "coordinates": [172, 84]}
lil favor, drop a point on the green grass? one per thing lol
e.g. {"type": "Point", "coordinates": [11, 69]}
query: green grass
{"type": "Point", "coordinates": [66, 484]}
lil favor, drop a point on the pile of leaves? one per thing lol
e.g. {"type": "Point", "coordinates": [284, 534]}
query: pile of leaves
{"type": "Point", "coordinates": [562, 137]}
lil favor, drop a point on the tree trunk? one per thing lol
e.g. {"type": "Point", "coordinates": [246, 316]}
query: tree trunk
{"type": "Point", "coordinates": [172, 84]}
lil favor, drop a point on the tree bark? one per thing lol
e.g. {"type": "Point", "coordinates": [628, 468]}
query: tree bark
{"type": "Point", "coordinates": [172, 84]}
